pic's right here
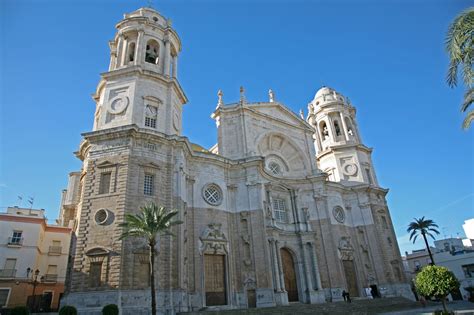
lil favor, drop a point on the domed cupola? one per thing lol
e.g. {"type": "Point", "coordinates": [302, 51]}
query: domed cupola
{"type": "Point", "coordinates": [327, 96]}
{"type": "Point", "coordinates": [340, 151]}
{"type": "Point", "coordinates": [333, 117]}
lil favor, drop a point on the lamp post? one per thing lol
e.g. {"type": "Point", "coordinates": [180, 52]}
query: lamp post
{"type": "Point", "coordinates": [35, 283]}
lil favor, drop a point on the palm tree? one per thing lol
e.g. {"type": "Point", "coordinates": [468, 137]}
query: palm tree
{"type": "Point", "coordinates": [149, 223]}
{"type": "Point", "coordinates": [460, 48]}
{"type": "Point", "coordinates": [423, 227]}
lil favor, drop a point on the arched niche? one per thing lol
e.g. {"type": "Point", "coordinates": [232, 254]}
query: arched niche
{"type": "Point", "coordinates": [152, 52]}
{"type": "Point", "coordinates": [280, 148]}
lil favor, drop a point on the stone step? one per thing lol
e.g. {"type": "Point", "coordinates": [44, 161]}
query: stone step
{"type": "Point", "coordinates": [358, 306]}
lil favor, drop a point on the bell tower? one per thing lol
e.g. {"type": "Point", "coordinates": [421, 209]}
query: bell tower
{"type": "Point", "coordinates": [141, 86]}
{"type": "Point", "coordinates": [340, 151]}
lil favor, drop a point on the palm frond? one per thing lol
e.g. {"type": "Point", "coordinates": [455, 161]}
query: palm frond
{"type": "Point", "coordinates": [468, 99]}
{"type": "Point", "coordinates": [468, 120]}
{"type": "Point", "coordinates": [458, 44]}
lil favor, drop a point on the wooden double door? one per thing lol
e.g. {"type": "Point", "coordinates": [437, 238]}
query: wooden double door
{"type": "Point", "coordinates": [289, 274]}
{"type": "Point", "coordinates": [351, 278]}
{"type": "Point", "coordinates": [215, 280]}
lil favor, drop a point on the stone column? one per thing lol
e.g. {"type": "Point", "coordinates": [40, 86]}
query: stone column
{"type": "Point", "coordinates": [315, 268]}
{"type": "Point", "coordinates": [344, 126]}
{"type": "Point", "coordinates": [332, 131]}
{"type": "Point", "coordinates": [319, 140]}
{"type": "Point", "coordinates": [275, 269]}
{"type": "Point", "coordinates": [119, 51]}
{"type": "Point", "coordinates": [161, 59]}
{"type": "Point", "coordinates": [175, 67]}
{"type": "Point", "coordinates": [139, 48]}
{"type": "Point", "coordinates": [123, 59]}
{"type": "Point", "coordinates": [309, 286]}
{"type": "Point", "coordinates": [280, 266]}
{"type": "Point", "coordinates": [167, 58]}
{"type": "Point", "coordinates": [113, 59]}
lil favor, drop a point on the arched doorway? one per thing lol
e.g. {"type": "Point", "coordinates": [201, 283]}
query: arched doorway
{"type": "Point", "coordinates": [289, 274]}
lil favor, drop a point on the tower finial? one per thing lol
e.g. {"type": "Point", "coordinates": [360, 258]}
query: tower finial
{"type": "Point", "coordinates": [242, 94]}
{"type": "Point", "coordinates": [271, 96]}
{"type": "Point", "coordinates": [219, 98]}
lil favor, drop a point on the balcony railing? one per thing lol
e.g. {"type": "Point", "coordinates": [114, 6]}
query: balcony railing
{"type": "Point", "coordinates": [15, 241]}
{"type": "Point", "coordinates": [55, 250]}
{"type": "Point", "coordinates": [50, 277]}
{"type": "Point", "coordinates": [7, 273]}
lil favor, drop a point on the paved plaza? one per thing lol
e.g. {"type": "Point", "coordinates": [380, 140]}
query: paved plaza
{"type": "Point", "coordinates": [388, 306]}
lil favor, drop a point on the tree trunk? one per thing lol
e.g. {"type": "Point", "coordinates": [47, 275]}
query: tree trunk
{"type": "Point", "coordinates": [152, 277]}
{"type": "Point", "coordinates": [428, 248]}
{"type": "Point", "coordinates": [443, 299]}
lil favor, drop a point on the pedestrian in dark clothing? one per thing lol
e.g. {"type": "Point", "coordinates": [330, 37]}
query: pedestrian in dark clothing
{"type": "Point", "coordinates": [344, 293]}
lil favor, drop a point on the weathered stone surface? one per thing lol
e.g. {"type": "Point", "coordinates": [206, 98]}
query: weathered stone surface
{"type": "Point", "coordinates": [258, 193]}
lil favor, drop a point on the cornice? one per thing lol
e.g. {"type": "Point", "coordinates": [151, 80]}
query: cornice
{"type": "Point", "coordinates": [140, 72]}
{"type": "Point", "coordinates": [333, 148]}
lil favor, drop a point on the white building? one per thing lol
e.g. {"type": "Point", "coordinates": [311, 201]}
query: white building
{"type": "Point", "coordinates": [28, 244]}
{"type": "Point", "coordinates": [468, 227]}
{"type": "Point", "coordinates": [283, 208]}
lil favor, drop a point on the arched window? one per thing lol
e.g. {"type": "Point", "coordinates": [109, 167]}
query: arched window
{"type": "Point", "coordinates": [350, 129]}
{"type": "Point", "coordinates": [337, 128]}
{"type": "Point", "coordinates": [151, 113]}
{"type": "Point", "coordinates": [152, 52]}
{"type": "Point", "coordinates": [131, 52]}
{"type": "Point", "coordinates": [324, 130]}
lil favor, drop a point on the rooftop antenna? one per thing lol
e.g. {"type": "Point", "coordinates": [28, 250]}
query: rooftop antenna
{"type": "Point", "coordinates": [20, 199]}
{"type": "Point", "coordinates": [31, 200]}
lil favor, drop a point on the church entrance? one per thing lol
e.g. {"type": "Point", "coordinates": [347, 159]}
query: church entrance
{"type": "Point", "coordinates": [215, 283]}
{"type": "Point", "coordinates": [351, 279]}
{"type": "Point", "coordinates": [289, 275]}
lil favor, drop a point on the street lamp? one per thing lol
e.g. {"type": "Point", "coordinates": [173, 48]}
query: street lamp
{"type": "Point", "coordinates": [35, 282]}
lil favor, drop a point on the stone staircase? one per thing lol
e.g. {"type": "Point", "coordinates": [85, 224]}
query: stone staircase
{"type": "Point", "coordinates": [363, 306]}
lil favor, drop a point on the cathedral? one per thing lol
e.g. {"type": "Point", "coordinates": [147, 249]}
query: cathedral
{"type": "Point", "coordinates": [283, 208]}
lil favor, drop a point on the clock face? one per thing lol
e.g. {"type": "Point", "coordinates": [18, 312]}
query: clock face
{"type": "Point", "coordinates": [119, 104]}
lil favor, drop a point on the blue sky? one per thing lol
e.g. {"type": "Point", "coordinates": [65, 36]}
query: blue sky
{"type": "Point", "coordinates": [386, 56]}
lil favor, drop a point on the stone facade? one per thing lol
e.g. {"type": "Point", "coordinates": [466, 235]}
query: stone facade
{"type": "Point", "coordinates": [281, 209]}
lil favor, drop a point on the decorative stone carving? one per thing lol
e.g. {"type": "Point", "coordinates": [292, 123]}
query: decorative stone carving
{"type": "Point", "coordinates": [339, 215]}
{"type": "Point", "coordinates": [213, 240]}
{"type": "Point", "coordinates": [346, 250]}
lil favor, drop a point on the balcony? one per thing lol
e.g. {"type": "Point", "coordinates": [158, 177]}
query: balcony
{"type": "Point", "coordinates": [49, 278]}
{"type": "Point", "coordinates": [7, 273]}
{"type": "Point", "coordinates": [54, 250]}
{"type": "Point", "coordinates": [15, 241]}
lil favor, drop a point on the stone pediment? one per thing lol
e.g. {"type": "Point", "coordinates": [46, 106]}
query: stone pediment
{"type": "Point", "coordinates": [279, 112]}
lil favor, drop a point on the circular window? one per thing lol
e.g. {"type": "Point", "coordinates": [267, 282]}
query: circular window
{"type": "Point", "coordinates": [339, 214]}
{"type": "Point", "coordinates": [101, 216]}
{"type": "Point", "coordinates": [212, 194]}
{"type": "Point", "coordinates": [350, 169]}
{"type": "Point", "coordinates": [274, 168]}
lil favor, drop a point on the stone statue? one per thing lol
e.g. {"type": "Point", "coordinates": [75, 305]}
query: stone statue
{"type": "Point", "coordinates": [271, 96]}
{"type": "Point", "coordinates": [219, 98]}
{"type": "Point", "coordinates": [301, 114]}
